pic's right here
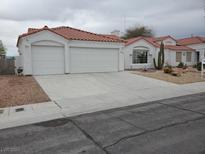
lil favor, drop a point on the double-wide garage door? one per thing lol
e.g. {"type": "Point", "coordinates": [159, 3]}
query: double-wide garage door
{"type": "Point", "coordinates": [50, 60]}
{"type": "Point", "coordinates": [93, 60]}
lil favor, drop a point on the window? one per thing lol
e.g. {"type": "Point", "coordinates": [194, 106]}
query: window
{"type": "Point", "coordinates": [188, 56]}
{"type": "Point", "coordinates": [139, 56]}
{"type": "Point", "coordinates": [178, 56]}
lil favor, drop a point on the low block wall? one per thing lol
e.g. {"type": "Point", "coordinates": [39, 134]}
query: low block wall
{"type": "Point", "coordinates": [7, 66]}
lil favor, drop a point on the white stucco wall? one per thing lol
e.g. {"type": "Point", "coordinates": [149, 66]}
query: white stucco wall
{"type": "Point", "coordinates": [19, 58]}
{"type": "Point", "coordinates": [199, 48]}
{"type": "Point", "coordinates": [48, 38]}
{"type": "Point", "coordinates": [184, 53]}
{"type": "Point", "coordinates": [41, 38]}
{"type": "Point", "coordinates": [167, 57]}
{"type": "Point", "coordinates": [128, 51]}
{"type": "Point", "coordinates": [170, 55]}
{"type": "Point", "coordinates": [18, 62]}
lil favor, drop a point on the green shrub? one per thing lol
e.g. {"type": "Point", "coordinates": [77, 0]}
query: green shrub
{"type": "Point", "coordinates": [180, 65]}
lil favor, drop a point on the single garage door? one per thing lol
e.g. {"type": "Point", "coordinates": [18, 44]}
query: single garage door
{"type": "Point", "coordinates": [85, 60]}
{"type": "Point", "coordinates": [47, 60]}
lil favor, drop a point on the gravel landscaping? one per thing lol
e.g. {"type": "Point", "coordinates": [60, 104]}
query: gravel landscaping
{"type": "Point", "coordinates": [20, 90]}
{"type": "Point", "coordinates": [188, 77]}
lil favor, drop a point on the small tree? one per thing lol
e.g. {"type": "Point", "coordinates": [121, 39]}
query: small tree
{"type": "Point", "coordinates": [138, 31]}
{"type": "Point", "coordinates": [160, 63]}
{"type": "Point", "coordinates": [2, 49]}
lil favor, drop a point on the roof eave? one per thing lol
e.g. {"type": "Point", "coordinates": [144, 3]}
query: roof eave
{"type": "Point", "coordinates": [141, 38]}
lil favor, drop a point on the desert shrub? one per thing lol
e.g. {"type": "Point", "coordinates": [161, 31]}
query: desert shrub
{"type": "Point", "coordinates": [180, 65]}
{"type": "Point", "coordinates": [168, 69]}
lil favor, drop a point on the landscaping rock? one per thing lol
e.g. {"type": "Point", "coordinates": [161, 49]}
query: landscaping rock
{"type": "Point", "coordinates": [175, 73]}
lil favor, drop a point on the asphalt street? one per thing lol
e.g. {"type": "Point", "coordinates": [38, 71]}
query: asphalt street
{"type": "Point", "coordinates": [170, 126]}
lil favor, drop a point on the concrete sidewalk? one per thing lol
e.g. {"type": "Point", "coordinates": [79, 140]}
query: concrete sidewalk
{"type": "Point", "coordinates": [40, 112]}
{"type": "Point", "coordinates": [31, 113]}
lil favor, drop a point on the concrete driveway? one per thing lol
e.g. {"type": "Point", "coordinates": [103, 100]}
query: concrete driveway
{"type": "Point", "coordinates": [83, 93]}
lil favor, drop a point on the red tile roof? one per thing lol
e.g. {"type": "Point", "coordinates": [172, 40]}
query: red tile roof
{"type": "Point", "coordinates": [191, 40]}
{"type": "Point", "coordinates": [153, 41]}
{"type": "Point", "coordinates": [162, 38]}
{"type": "Point", "coordinates": [73, 34]}
{"type": "Point", "coordinates": [31, 30]}
{"type": "Point", "coordinates": [178, 47]}
{"type": "Point", "coordinates": [112, 36]}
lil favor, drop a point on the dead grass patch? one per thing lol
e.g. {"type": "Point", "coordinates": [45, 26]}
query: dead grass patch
{"type": "Point", "coordinates": [20, 90]}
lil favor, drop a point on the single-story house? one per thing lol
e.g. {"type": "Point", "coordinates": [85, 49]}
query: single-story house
{"type": "Point", "coordinates": [195, 42]}
{"type": "Point", "coordinates": [64, 50]}
{"type": "Point", "coordinates": [139, 52]}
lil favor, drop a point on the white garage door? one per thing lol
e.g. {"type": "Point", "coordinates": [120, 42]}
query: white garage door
{"type": "Point", "coordinates": [47, 60]}
{"type": "Point", "coordinates": [93, 60]}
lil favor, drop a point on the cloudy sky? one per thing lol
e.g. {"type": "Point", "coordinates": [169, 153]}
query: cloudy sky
{"type": "Point", "coordinates": [179, 18]}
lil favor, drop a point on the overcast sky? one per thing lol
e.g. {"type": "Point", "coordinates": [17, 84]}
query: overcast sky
{"type": "Point", "coordinates": [179, 18]}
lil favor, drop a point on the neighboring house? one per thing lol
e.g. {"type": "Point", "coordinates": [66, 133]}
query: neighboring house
{"type": "Point", "coordinates": [197, 43]}
{"type": "Point", "coordinates": [63, 50]}
{"type": "Point", "coordinates": [140, 51]}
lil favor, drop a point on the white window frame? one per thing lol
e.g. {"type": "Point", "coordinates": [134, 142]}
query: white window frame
{"type": "Point", "coordinates": [180, 59]}
{"type": "Point", "coordinates": [139, 49]}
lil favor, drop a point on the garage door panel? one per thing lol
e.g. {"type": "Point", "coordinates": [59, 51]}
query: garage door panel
{"type": "Point", "coordinates": [52, 55]}
{"type": "Point", "coordinates": [93, 60]}
{"type": "Point", "coordinates": [47, 65]}
{"type": "Point", "coordinates": [47, 60]}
